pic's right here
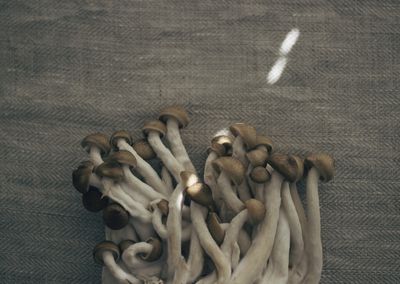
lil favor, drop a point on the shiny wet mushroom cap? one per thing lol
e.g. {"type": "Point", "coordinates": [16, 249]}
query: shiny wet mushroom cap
{"type": "Point", "coordinates": [163, 206]}
{"type": "Point", "coordinates": [110, 170]}
{"type": "Point", "coordinates": [115, 216]}
{"type": "Point", "coordinates": [257, 157]}
{"type": "Point", "coordinates": [201, 194]}
{"type": "Point", "coordinates": [122, 157]}
{"type": "Point", "coordinates": [232, 167]}
{"type": "Point", "coordinates": [81, 176]}
{"type": "Point", "coordinates": [154, 125]}
{"type": "Point", "coordinates": [125, 244]}
{"type": "Point", "coordinates": [324, 163]}
{"type": "Point", "coordinates": [256, 210]}
{"type": "Point", "coordinates": [259, 175]}
{"type": "Point", "coordinates": [214, 226]}
{"type": "Point", "coordinates": [156, 252]}
{"type": "Point", "coordinates": [222, 144]}
{"type": "Point", "coordinates": [247, 132]}
{"type": "Point", "coordinates": [289, 166]}
{"type": "Point", "coordinates": [264, 141]}
{"type": "Point", "coordinates": [143, 149]}
{"type": "Point", "coordinates": [120, 134]}
{"type": "Point", "coordinates": [105, 246]}
{"type": "Point", "coordinates": [175, 112]}
{"type": "Point", "coordinates": [98, 140]}
{"type": "Point", "coordinates": [93, 201]}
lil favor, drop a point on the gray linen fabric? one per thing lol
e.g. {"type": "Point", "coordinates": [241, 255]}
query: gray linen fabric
{"type": "Point", "coordinates": [69, 68]}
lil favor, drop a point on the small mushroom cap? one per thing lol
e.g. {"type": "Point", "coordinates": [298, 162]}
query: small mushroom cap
{"type": "Point", "coordinates": [257, 157]}
{"type": "Point", "coordinates": [289, 166]}
{"type": "Point", "coordinates": [324, 163]}
{"type": "Point", "coordinates": [218, 149]}
{"type": "Point", "coordinates": [256, 210]}
{"type": "Point", "coordinates": [201, 194]}
{"type": "Point", "coordinates": [115, 216]}
{"type": "Point", "coordinates": [81, 176]}
{"type": "Point", "coordinates": [125, 244]}
{"type": "Point", "coordinates": [260, 175]}
{"type": "Point", "coordinates": [156, 252]}
{"type": "Point", "coordinates": [102, 247]}
{"type": "Point", "coordinates": [176, 112]}
{"type": "Point", "coordinates": [216, 231]}
{"type": "Point", "coordinates": [247, 132]}
{"type": "Point", "coordinates": [93, 201]}
{"type": "Point", "coordinates": [163, 206]}
{"type": "Point", "coordinates": [224, 140]}
{"type": "Point", "coordinates": [110, 170]}
{"type": "Point", "coordinates": [154, 125]}
{"type": "Point", "coordinates": [122, 157]}
{"type": "Point", "coordinates": [230, 166]}
{"type": "Point", "coordinates": [143, 149]}
{"type": "Point", "coordinates": [98, 140]}
{"type": "Point", "coordinates": [120, 134]}
{"type": "Point", "coordinates": [266, 142]}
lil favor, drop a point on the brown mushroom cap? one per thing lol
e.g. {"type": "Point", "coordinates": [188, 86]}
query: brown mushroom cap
{"type": "Point", "coordinates": [98, 140]}
{"type": "Point", "coordinates": [324, 163]}
{"type": "Point", "coordinates": [156, 252]}
{"type": "Point", "coordinates": [218, 149]}
{"type": "Point", "coordinates": [120, 134]}
{"type": "Point", "coordinates": [102, 247]}
{"type": "Point", "coordinates": [93, 201]}
{"type": "Point", "coordinates": [257, 157]}
{"type": "Point", "coordinates": [81, 176]}
{"type": "Point", "coordinates": [154, 125]}
{"type": "Point", "coordinates": [125, 244]}
{"type": "Point", "coordinates": [176, 112]}
{"type": "Point", "coordinates": [234, 169]}
{"type": "Point", "coordinates": [201, 194]}
{"type": "Point", "coordinates": [115, 216]}
{"type": "Point", "coordinates": [143, 149]}
{"type": "Point", "coordinates": [247, 132]}
{"type": "Point", "coordinates": [110, 170]}
{"type": "Point", "coordinates": [256, 210]}
{"type": "Point", "coordinates": [213, 225]}
{"type": "Point", "coordinates": [260, 175]}
{"type": "Point", "coordinates": [122, 157]}
{"type": "Point", "coordinates": [264, 141]}
{"type": "Point", "coordinates": [289, 166]}
{"type": "Point", "coordinates": [163, 206]}
{"type": "Point", "coordinates": [222, 140]}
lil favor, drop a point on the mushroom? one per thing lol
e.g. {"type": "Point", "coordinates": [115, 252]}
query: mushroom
{"type": "Point", "coordinates": [81, 176]}
{"type": "Point", "coordinates": [155, 130]}
{"type": "Point", "coordinates": [259, 176]}
{"type": "Point", "coordinates": [229, 170]}
{"type": "Point", "coordinates": [92, 200]}
{"type": "Point", "coordinates": [320, 167]}
{"type": "Point", "coordinates": [107, 253]}
{"type": "Point", "coordinates": [115, 216]}
{"type": "Point", "coordinates": [176, 117]}
{"type": "Point", "coordinates": [97, 145]}
{"type": "Point", "coordinates": [122, 140]}
{"type": "Point", "coordinates": [143, 149]}
{"type": "Point", "coordinates": [167, 179]}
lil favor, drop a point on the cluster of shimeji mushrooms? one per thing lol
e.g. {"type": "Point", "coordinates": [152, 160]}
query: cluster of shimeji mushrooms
{"type": "Point", "coordinates": [243, 222]}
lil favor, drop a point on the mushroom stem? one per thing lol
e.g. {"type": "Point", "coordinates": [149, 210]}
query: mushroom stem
{"type": "Point", "coordinates": [209, 178]}
{"type": "Point", "coordinates": [259, 191]}
{"type": "Point", "coordinates": [176, 144]}
{"type": "Point", "coordinates": [167, 179]}
{"type": "Point", "coordinates": [253, 262]}
{"type": "Point", "coordinates": [313, 241]}
{"type": "Point", "coordinates": [243, 239]}
{"type": "Point", "coordinates": [239, 152]}
{"type": "Point", "coordinates": [117, 271]}
{"type": "Point", "coordinates": [296, 238]}
{"type": "Point", "coordinates": [144, 169]}
{"type": "Point", "coordinates": [95, 156]}
{"type": "Point", "coordinates": [131, 258]}
{"type": "Point", "coordinates": [228, 194]}
{"type": "Point", "coordinates": [196, 257]}
{"type": "Point", "coordinates": [144, 230]}
{"type": "Point", "coordinates": [165, 155]}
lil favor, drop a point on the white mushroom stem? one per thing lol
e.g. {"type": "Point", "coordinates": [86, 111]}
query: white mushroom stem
{"type": "Point", "coordinates": [174, 229]}
{"type": "Point", "coordinates": [209, 178]}
{"type": "Point", "coordinates": [277, 269]}
{"type": "Point", "coordinates": [144, 230]}
{"type": "Point", "coordinates": [299, 208]}
{"type": "Point", "coordinates": [232, 201]}
{"type": "Point", "coordinates": [182, 273]}
{"type": "Point", "coordinates": [167, 179]}
{"type": "Point", "coordinates": [95, 156]}
{"type": "Point", "coordinates": [176, 144]}
{"type": "Point", "coordinates": [244, 240]}
{"type": "Point", "coordinates": [313, 240]}
{"type": "Point", "coordinates": [161, 229]}
{"type": "Point", "coordinates": [196, 258]}
{"type": "Point", "coordinates": [117, 271]}
{"type": "Point", "coordinates": [252, 263]}
{"type": "Point", "coordinates": [106, 276]}
{"type": "Point", "coordinates": [259, 191]}
{"type": "Point", "coordinates": [132, 259]}
{"type": "Point", "coordinates": [296, 238]}
{"type": "Point", "coordinates": [144, 169]}
{"type": "Point", "coordinates": [165, 155]}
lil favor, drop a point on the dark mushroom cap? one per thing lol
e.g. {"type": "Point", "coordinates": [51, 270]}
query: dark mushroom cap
{"type": "Point", "coordinates": [218, 149]}
{"type": "Point", "coordinates": [163, 206]}
{"type": "Point", "coordinates": [176, 112]}
{"type": "Point", "coordinates": [120, 134]}
{"type": "Point", "coordinates": [260, 175]}
{"type": "Point", "coordinates": [143, 149]}
{"type": "Point", "coordinates": [224, 140]}
{"type": "Point", "coordinates": [93, 201]}
{"type": "Point", "coordinates": [256, 210]}
{"type": "Point", "coordinates": [156, 252]}
{"type": "Point", "coordinates": [324, 163]}
{"type": "Point", "coordinates": [98, 140]}
{"type": "Point", "coordinates": [81, 176]}
{"type": "Point", "coordinates": [257, 157]}
{"type": "Point", "coordinates": [216, 231]}
{"type": "Point", "coordinates": [154, 125]}
{"type": "Point", "coordinates": [201, 194]}
{"type": "Point", "coordinates": [289, 166]}
{"type": "Point", "coordinates": [122, 157]}
{"type": "Point", "coordinates": [110, 170]}
{"type": "Point", "coordinates": [264, 141]}
{"type": "Point", "coordinates": [102, 247]}
{"type": "Point", "coordinates": [232, 167]}
{"type": "Point", "coordinates": [115, 216]}
{"type": "Point", "coordinates": [125, 244]}
{"type": "Point", "coordinates": [247, 132]}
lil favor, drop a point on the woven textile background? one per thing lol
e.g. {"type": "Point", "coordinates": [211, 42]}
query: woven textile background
{"type": "Point", "coordinates": [69, 68]}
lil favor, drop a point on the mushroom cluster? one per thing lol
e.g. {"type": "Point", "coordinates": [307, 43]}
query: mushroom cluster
{"type": "Point", "coordinates": [241, 221]}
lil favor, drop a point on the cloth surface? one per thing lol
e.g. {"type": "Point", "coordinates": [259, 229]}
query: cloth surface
{"type": "Point", "coordinates": [70, 68]}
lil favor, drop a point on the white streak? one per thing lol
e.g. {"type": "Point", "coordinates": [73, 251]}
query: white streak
{"type": "Point", "coordinates": [289, 42]}
{"type": "Point", "coordinates": [276, 70]}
